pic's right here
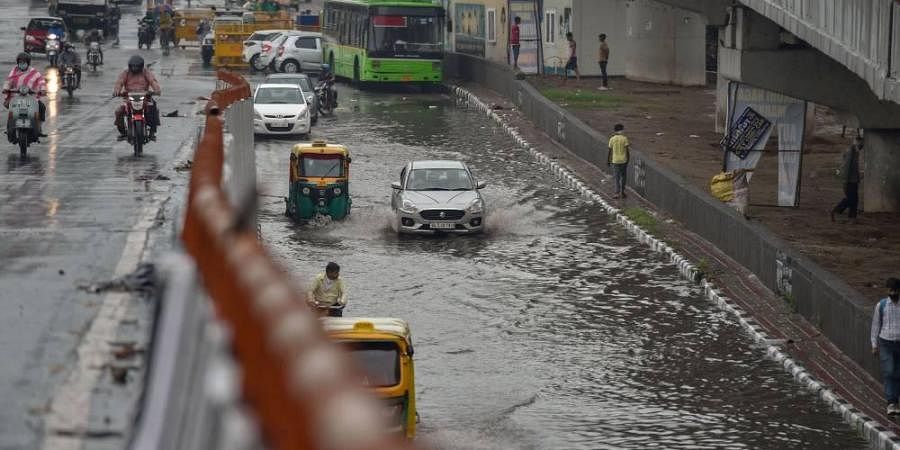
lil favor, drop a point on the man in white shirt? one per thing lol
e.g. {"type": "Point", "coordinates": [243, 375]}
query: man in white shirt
{"type": "Point", "coordinates": [885, 338]}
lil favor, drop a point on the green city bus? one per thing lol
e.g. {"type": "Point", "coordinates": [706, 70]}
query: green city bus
{"type": "Point", "coordinates": [399, 41]}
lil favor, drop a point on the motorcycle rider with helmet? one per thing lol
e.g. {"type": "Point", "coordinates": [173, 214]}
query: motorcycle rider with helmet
{"type": "Point", "coordinates": [326, 80]}
{"type": "Point", "coordinates": [166, 29]}
{"type": "Point", "coordinates": [25, 75]}
{"type": "Point", "coordinates": [69, 57]}
{"type": "Point", "coordinates": [137, 78]}
{"type": "Point", "coordinates": [149, 20]}
{"type": "Point", "coordinates": [95, 36]}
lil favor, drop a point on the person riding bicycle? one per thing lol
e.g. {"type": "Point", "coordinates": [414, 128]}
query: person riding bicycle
{"type": "Point", "coordinates": [328, 291]}
{"type": "Point", "coordinates": [69, 57]}
{"type": "Point", "coordinates": [25, 75]}
{"type": "Point", "coordinates": [95, 36]}
{"type": "Point", "coordinates": [137, 79]}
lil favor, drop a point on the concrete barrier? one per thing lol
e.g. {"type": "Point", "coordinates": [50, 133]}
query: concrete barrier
{"type": "Point", "coordinates": [840, 312]}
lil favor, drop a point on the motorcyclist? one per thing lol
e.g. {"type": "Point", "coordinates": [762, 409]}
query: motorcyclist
{"type": "Point", "coordinates": [166, 29]}
{"type": "Point", "coordinates": [149, 20]}
{"type": "Point", "coordinates": [25, 75]}
{"type": "Point", "coordinates": [328, 291]}
{"type": "Point", "coordinates": [58, 30]}
{"type": "Point", "coordinates": [137, 78]}
{"type": "Point", "coordinates": [95, 36]}
{"type": "Point", "coordinates": [326, 80]}
{"type": "Point", "coordinates": [69, 57]}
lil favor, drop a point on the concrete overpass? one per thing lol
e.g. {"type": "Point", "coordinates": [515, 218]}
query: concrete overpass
{"type": "Point", "coordinates": [844, 54]}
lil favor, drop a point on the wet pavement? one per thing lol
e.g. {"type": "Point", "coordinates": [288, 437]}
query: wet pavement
{"type": "Point", "coordinates": [554, 329]}
{"type": "Point", "coordinates": [65, 215]}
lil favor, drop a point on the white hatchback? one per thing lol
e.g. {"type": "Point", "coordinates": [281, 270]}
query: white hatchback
{"type": "Point", "coordinates": [300, 53]}
{"type": "Point", "coordinates": [253, 47]}
{"type": "Point", "coordinates": [280, 109]}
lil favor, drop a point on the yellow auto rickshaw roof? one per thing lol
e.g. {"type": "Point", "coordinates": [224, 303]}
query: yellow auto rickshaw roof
{"type": "Point", "coordinates": [367, 325]}
{"type": "Point", "coordinates": [319, 147]}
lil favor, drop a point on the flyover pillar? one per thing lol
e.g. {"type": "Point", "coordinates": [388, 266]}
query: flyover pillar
{"type": "Point", "coordinates": [881, 182]}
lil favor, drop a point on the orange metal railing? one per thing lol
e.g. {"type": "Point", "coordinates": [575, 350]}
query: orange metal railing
{"type": "Point", "coordinates": [299, 385]}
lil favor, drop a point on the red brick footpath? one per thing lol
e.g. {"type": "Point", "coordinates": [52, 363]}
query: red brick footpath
{"type": "Point", "coordinates": [801, 340]}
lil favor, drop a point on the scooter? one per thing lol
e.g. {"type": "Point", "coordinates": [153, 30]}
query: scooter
{"type": "Point", "coordinates": [136, 104]}
{"type": "Point", "coordinates": [166, 40]}
{"type": "Point", "coordinates": [93, 55]}
{"type": "Point", "coordinates": [23, 109]}
{"type": "Point", "coordinates": [69, 79]}
{"type": "Point", "coordinates": [52, 49]}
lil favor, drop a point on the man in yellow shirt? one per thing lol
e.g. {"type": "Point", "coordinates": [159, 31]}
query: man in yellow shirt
{"type": "Point", "coordinates": [328, 291]}
{"type": "Point", "coordinates": [618, 158]}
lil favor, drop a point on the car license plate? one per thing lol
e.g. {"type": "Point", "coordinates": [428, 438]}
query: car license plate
{"type": "Point", "coordinates": [280, 124]}
{"type": "Point", "coordinates": [443, 225]}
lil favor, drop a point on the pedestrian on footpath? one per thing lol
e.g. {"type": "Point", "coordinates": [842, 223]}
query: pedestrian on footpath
{"type": "Point", "coordinates": [603, 59]}
{"type": "Point", "coordinates": [572, 63]}
{"type": "Point", "coordinates": [514, 42]}
{"type": "Point", "coordinates": [886, 343]}
{"type": "Point", "coordinates": [849, 174]}
{"type": "Point", "coordinates": [618, 156]}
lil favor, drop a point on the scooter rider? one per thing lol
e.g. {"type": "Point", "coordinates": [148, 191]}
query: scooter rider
{"type": "Point", "coordinates": [328, 291]}
{"type": "Point", "coordinates": [95, 36]}
{"type": "Point", "coordinates": [137, 79]}
{"type": "Point", "coordinates": [25, 75]}
{"type": "Point", "coordinates": [69, 57]}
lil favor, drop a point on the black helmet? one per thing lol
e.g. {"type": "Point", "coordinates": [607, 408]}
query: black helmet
{"type": "Point", "coordinates": [69, 46]}
{"type": "Point", "coordinates": [24, 56]}
{"type": "Point", "coordinates": [136, 64]}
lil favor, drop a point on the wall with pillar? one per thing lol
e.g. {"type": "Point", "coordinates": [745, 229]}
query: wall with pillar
{"type": "Point", "coordinates": [881, 181]}
{"type": "Point", "coordinates": [665, 44]}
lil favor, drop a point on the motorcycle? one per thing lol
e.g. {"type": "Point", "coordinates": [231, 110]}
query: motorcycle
{"type": "Point", "coordinates": [137, 123]}
{"type": "Point", "coordinates": [93, 55]}
{"type": "Point", "coordinates": [23, 109]}
{"type": "Point", "coordinates": [52, 49]}
{"type": "Point", "coordinates": [166, 39]}
{"type": "Point", "coordinates": [145, 35]}
{"type": "Point", "coordinates": [327, 97]}
{"type": "Point", "coordinates": [69, 79]}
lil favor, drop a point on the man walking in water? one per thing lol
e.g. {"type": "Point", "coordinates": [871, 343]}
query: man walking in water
{"type": "Point", "coordinates": [328, 291]}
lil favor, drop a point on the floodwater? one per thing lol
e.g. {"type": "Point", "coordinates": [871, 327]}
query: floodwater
{"type": "Point", "coordinates": [555, 329]}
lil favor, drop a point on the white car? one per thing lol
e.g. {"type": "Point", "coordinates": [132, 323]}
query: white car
{"type": "Point", "coordinates": [269, 49]}
{"type": "Point", "coordinates": [300, 53]}
{"type": "Point", "coordinates": [438, 197]}
{"type": "Point", "coordinates": [253, 47]}
{"type": "Point", "coordinates": [280, 109]}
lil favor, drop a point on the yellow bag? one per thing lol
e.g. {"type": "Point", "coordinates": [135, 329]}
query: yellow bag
{"type": "Point", "coordinates": [722, 186]}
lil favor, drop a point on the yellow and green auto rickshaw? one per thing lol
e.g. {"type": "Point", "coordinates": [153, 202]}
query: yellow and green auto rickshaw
{"type": "Point", "coordinates": [319, 181]}
{"type": "Point", "coordinates": [382, 348]}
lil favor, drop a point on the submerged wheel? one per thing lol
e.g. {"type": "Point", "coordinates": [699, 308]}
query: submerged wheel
{"type": "Point", "coordinates": [138, 139]}
{"type": "Point", "coordinates": [22, 137]}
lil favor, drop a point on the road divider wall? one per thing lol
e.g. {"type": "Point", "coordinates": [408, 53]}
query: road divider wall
{"type": "Point", "coordinates": [239, 360]}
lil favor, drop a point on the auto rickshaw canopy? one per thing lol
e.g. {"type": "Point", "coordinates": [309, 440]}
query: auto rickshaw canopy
{"type": "Point", "coordinates": [368, 326]}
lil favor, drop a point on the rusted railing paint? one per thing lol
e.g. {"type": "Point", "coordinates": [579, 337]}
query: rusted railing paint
{"type": "Point", "coordinates": [299, 385]}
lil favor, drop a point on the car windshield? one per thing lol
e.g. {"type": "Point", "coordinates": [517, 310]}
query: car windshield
{"type": "Point", "coordinates": [258, 36]}
{"type": "Point", "coordinates": [278, 96]}
{"type": "Point", "coordinates": [44, 24]}
{"type": "Point", "coordinates": [379, 362]}
{"type": "Point", "coordinates": [406, 36]}
{"type": "Point", "coordinates": [299, 81]}
{"type": "Point", "coordinates": [439, 180]}
{"type": "Point", "coordinates": [322, 166]}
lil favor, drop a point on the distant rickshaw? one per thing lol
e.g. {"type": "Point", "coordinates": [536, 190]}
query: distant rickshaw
{"type": "Point", "coordinates": [382, 349]}
{"type": "Point", "coordinates": [319, 182]}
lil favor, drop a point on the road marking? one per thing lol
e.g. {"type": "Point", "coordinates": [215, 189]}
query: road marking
{"type": "Point", "coordinates": [69, 416]}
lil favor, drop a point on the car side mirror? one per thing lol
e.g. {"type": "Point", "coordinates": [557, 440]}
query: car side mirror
{"type": "Point", "coordinates": [349, 160]}
{"type": "Point", "coordinates": [480, 185]}
{"type": "Point", "coordinates": [395, 185]}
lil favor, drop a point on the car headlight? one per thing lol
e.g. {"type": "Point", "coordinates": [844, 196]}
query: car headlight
{"type": "Point", "coordinates": [476, 206]}
{"type": "Point", "coordinates": [408, 206]}
{"type": "Point", "coordinates": [305, 191]}
{"type": "Point", "coordinates": [337, 191]}
{"type": "Point", "coordinates": [52, 36]}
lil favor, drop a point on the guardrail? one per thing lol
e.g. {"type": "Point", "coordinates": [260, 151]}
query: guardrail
{"type": "Point", "coordinates": [296, 387]}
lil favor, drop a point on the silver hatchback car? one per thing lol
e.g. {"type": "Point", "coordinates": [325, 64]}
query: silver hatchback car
{"type": "Point", "coordinates": [438, 197]}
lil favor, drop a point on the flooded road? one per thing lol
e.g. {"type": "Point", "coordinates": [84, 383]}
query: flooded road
{"type": "Point", "coordinates": [555, 329]}
{"type": "Point", "coordinates": [65, 216]}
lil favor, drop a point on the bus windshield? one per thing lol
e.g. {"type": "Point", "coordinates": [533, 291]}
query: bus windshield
{"type": "Point", "coordinates": [406, 36]}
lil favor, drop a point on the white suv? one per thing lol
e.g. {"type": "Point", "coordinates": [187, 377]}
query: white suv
{"type": "Point", "coordinates": [300, 53]}
{"type": "Point", "coordinates": [253, 47]}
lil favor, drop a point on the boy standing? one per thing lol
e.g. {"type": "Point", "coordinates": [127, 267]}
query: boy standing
{"type": "Point", "coordinates": [618, 158]}
{"type": "Point", "coordinates": [603, 59]}
{"type": "Point", "coordinates": [514, 41]}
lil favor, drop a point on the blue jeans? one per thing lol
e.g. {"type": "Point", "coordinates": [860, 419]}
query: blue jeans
{"type": "Point", "coordinates": [619, 172]}
{"type": "Point", "coordinates": [889, 353]}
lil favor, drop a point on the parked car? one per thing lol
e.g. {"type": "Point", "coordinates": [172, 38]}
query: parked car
{"type": "Point", "coordinates": [253, 47]}
{"type": "Point", "coordinates": [269, 49]}
{"type": "Point", "coordinates": [280, 109]}
{"type": "Point", "coordinates": [306, 85]}
{"type": "Point", "coordinates": [300, 53]}
{"type": "Point", "coordinates": [35, 40]}
{"type": "Point", "coordinates": [438, 197]}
